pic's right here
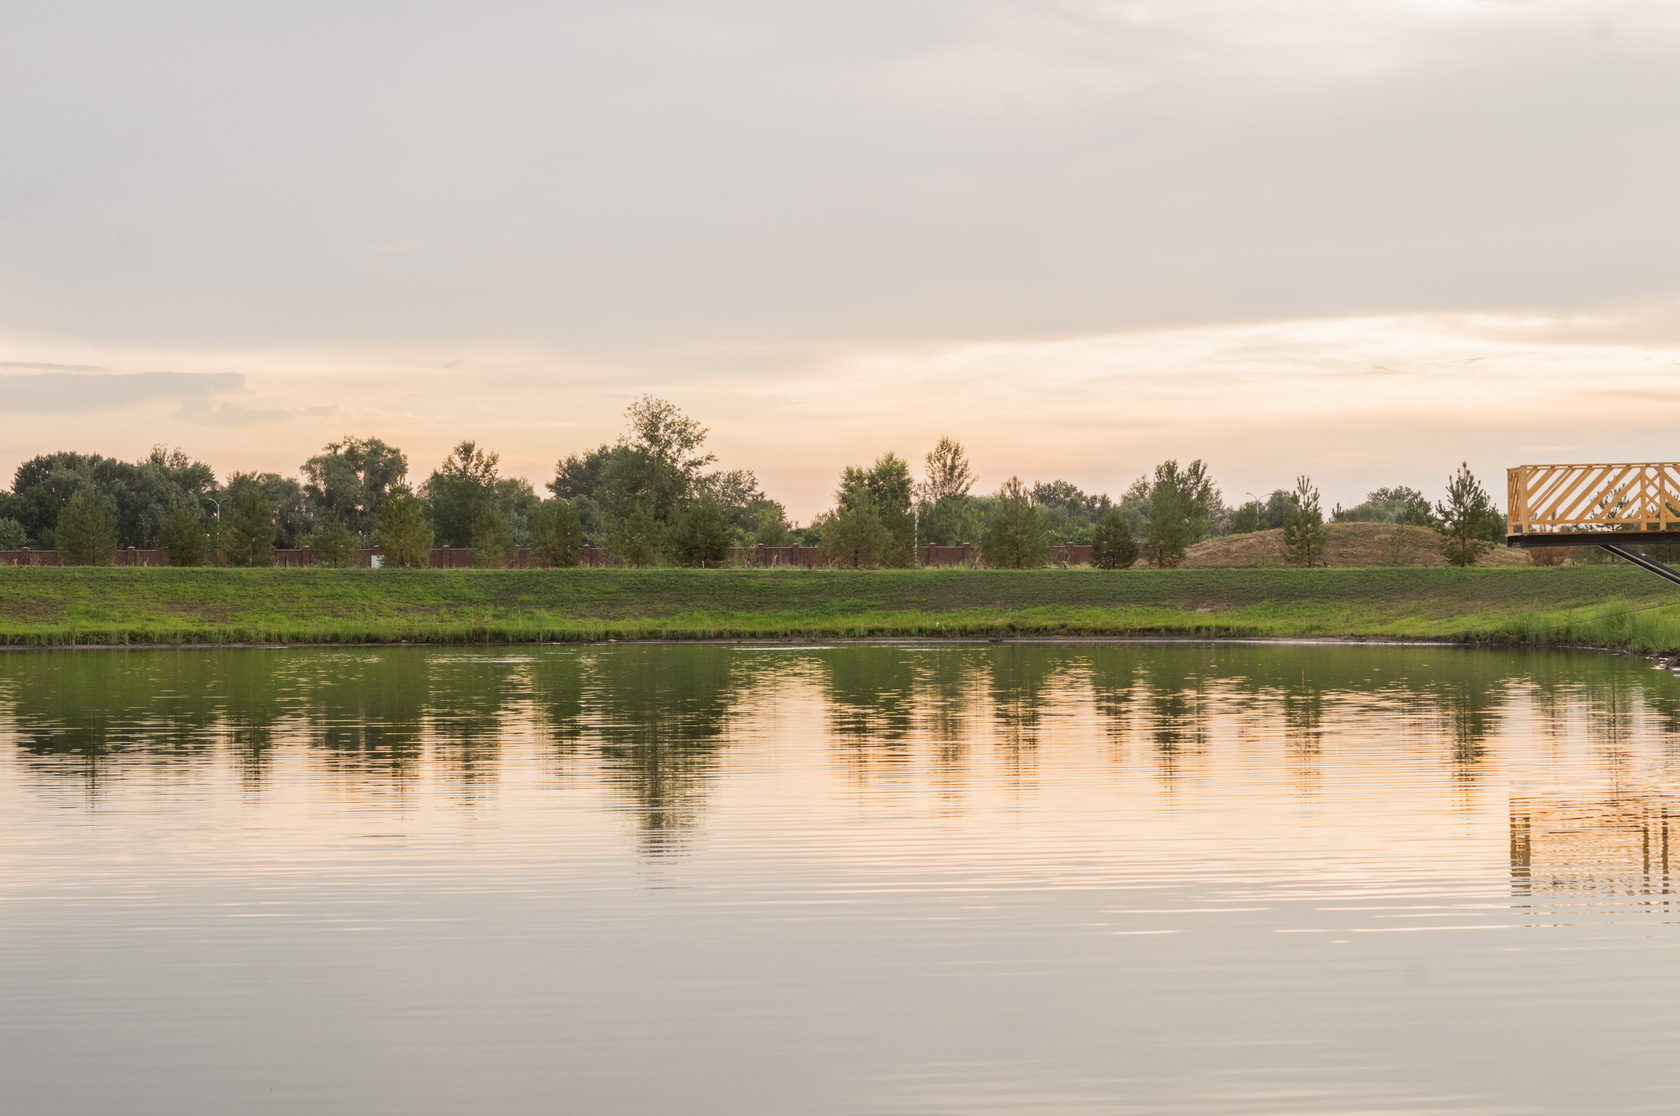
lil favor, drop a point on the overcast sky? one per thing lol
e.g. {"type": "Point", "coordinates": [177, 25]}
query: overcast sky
{"type": "Point", "coordinates": [1360, 240]}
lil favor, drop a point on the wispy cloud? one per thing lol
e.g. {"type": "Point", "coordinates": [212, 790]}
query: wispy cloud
{"type": "Point", "coordinates": [61, 392]}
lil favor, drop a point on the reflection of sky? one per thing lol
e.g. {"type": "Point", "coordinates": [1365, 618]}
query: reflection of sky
{"type": "Point", "coordinates": [1196, 879]}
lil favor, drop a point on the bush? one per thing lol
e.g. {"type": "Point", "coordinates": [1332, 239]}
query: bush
{"type": "Point", "coordinates": [87, 529]}
{"type": "Point", "coordinates": [12, 535]}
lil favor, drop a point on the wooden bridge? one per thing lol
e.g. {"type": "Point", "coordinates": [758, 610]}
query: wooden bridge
{"type": "Point", "coordinates": [1613, 507]}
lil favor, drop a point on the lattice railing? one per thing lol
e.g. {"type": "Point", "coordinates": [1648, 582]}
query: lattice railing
{"type": "Point", "coordinates": [1565, 498]}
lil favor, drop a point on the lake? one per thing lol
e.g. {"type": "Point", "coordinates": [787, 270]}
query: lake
{"type": "Point", "coordinates": [1048, 878]}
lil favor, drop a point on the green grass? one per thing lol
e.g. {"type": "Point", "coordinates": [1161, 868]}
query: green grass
{"type": "Point", "coordinates": [1577, 605]}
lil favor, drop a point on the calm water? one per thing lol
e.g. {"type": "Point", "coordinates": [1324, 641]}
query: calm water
{"type": "Point", "coordinates": [863, 879]}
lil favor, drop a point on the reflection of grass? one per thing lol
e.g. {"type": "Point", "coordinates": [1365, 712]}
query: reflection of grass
{"type": "Point", "coordinates": [115, 606]}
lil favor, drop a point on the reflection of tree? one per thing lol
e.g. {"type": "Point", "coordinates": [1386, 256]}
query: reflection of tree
{"type": "Point", "coordinates": [871, 694]}
{"type": "Point", "coordinates": [1112, 674]}
{"type": "Point", "coordinates": [657, 714]}
{"type": "Point", "coordinates": [468, 699]}
{"type": "Point", "coordinates": [1020, 676]}
{"type": "Point", "coordinates": [86, 707]}
{"type": "Point", "coordinates": [366, 710]}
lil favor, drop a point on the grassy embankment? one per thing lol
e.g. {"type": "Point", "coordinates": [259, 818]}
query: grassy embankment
{"type": "Point", "coordinates": [1593, 605]}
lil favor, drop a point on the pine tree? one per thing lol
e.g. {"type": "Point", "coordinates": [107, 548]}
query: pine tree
{"type": "Point", "coordinates": [556, 534]}
{"type": "Point", "coordinates": [1113, 548]}
{"type": "Point", "coordinates": [494, 545]}
{"type": "Point", "coordinates": [332, 546]}
{"type": "Point", "coordinates": [183, 536]}
{"type": "Point", "coordinates": [248, 531]}
{"type": "Point", "coordinates": [87, 529]}
{"type": "Point", "coordinates": [854, 536]}
{"type": "Point", "coordinates": [1304, 532]}
{"type": "Point", "coordinates": [1468, 521]}
{"type": "Point", "coordinates": [635, 540]}
{"type": "Point", "coordinates": [703, 535]}
{"type": "Point", "coordinates": [1015, 537]}
{"type": "Point", "coordinates": [405, 535]}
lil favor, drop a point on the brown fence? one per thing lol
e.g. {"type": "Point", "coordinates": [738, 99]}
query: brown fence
{"type": "Point", "coordinates": [460, 557]}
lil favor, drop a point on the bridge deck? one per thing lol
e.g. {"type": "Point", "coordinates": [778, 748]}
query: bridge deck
{"type": "Point", "coordinates": [1590, 505]}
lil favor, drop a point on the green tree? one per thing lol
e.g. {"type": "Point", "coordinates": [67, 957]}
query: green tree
{"type": "Point", "coordinates": [556, 534]}
{"type": "Point", "coordinates": [494, 546]}
{"type": "Point", "coordinates": [248, 529]}
{"type": "Point", "coordinates": [350, 479]}
{"type": "Point", "coordinates": [946, 510]}
{"type": "Point", "coordinates": [292, 518]}
{"type": "Point", "coordinates": [1113, 547]}
{"type": "Point", "coordinates": [1467, 520]}
{"type": "Point", "coordinates": [636, 538]}
{"type": "Point", "coordinates": [462, 492]}
{"type": "Point", "coordinates": [12, 534]}
{"type": "Point", "coordinates": [1015, 537]}
{"type": "Point", "coordinates": [1166, 525]}
{"type": "Point", "coordinates": [87, 529]}
{"type": "Point", "coordinates": [404, 533]}
{"type": "Point", "coordinates": [886, 489]}
{"type": "Point", "coordinates": [333, 546]}
{"type": "Point", "coordinates": [772, 527]}
{"type": "Point", "coordinates": [1246, 519]}
{"type": "Point", "coordinates": [703, 535]}
{"type": "Point", "coordinates": [854, 536]}
{"type": "Point", "coordinates": [185, 537]}
{"type": "Point", "coordinates": [1304, 532]}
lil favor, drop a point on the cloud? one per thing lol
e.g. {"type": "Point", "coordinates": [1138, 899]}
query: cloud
{"type": "Point", "coordinates": [41, 366]}
{"type": "Point", "coordinates": [238, 414]}
{"type": "Point", "coordinates": [54, 393]}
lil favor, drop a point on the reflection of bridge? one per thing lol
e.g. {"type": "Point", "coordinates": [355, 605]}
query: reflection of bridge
{"type": "Point", "coordinates": [1597, 849]}
{"type": "Point", "coordinates": [1611, 507]}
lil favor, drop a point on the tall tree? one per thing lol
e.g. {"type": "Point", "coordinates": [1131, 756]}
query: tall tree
{"type": "Point", "coordinates": [350, 479]}
{"type": "Point", "coordinates": [1015, 537]}
{"type": "Point", "coordinates": [87, 529]}
{"type": "Point", "coordinates": [948, 474]}
{"type": "Point", "coordinates": [293, 519]}
{"type": "Point", "coordinates": [1468, 521]}
{"type": "Point", "coordinates": [462, 493]}
{"type": "Point", "coordinates": [885, 488]}
{"type": "Point", "coordinates": [1304, 533]}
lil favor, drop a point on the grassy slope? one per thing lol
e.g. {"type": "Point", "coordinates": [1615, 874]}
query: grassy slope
{"type": "Point", "coordinates": [114, 606]}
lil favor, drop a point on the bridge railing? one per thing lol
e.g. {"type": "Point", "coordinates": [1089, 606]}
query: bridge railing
{"type": "Point", "coordinates": [1593, 499]}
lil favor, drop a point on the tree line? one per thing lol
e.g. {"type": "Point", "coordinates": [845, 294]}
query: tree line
{"type": "Point", "coordinates": [655, 496]}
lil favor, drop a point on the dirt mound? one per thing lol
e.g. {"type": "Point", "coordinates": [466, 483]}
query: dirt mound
{"type": "Point", "coordinates": [1350, 544]}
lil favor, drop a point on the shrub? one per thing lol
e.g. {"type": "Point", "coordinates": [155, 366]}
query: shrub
{"type": "Point", "coordinates": [333, 546]}
{"type": "Point", "coordinates": [405, 535]}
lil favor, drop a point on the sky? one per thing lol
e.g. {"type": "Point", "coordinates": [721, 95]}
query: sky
{"type": "Point", "coordinates": [1361, 240]}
